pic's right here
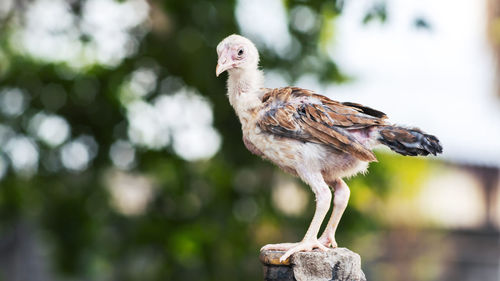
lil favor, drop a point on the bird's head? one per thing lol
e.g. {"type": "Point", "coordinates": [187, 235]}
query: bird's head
{"type": "Point", "coordinates": [236, 52]}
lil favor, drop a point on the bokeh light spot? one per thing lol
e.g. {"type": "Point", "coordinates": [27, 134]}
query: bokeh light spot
{"type": "Point", "coordinates": [12, 102]}
{"type": "Point", "coordinates": [51, 129]}
{"type": "Point", "coordinates": [130, 194]}
{"type": "Point", "coordinates": [289, 197]}
{"type": "Point", "coordinates": [145, 128]}
{"type": "Point", "coordinates": [75, 156]}
{"type": "Point", "coordinates": [23, 155]}
{"type": "Point", "coordinates": [304, 19]}
{"type": "Point", "coordinates": [122, 154]}
{"type": "Point", "coordinates": [196, 143]}
{"type": "Point", "coordinates": [141, 83]}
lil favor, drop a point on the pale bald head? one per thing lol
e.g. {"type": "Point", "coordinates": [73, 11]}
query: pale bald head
{"type": "Point", "coordinates": [236, 52]}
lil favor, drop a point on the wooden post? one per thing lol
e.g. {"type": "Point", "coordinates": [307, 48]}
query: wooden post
{"type": "Point", "coordinates": [338, 264]}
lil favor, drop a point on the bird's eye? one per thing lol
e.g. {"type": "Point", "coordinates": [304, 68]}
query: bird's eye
{"type": "Point", "coordinates": [240, 52]}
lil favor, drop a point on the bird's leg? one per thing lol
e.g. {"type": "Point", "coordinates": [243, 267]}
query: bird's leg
{"type": "Point", "coordinates": [340, 199]}
{"type": "Point", "coordinates": [310, 241]}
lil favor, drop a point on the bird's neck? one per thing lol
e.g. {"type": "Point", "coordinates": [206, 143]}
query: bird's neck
{"type": "Point", "coordinates": [244, 90]}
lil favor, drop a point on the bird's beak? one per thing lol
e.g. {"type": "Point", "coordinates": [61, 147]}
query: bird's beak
{"type": "Point", "coordinates": [224, 63]}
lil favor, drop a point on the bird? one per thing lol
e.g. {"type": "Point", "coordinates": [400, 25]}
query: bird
{"type": "Point", "coordinates": [308, 135]}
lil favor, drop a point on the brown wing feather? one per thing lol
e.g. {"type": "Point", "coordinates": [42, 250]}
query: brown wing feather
{"type": "Point", "coordinates": [301, 114]}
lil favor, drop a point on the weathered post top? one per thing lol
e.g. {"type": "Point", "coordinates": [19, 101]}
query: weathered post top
{"type": "Point", "coordinates": [339, 264]}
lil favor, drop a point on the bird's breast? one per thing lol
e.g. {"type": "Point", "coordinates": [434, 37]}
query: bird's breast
{"type": "Point", "coordinates": [251, 147]}
{"type": "Point", "coordinates": [281, 151]}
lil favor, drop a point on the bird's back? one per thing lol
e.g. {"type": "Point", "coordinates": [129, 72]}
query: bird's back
{"type": "Point", "coordinates": [301, 114]}
{"type": "Point", "coordinates": [352, 128]}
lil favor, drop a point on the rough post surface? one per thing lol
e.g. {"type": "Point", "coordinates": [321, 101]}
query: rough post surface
{"type": "Point", "coordinates": [338, 264]}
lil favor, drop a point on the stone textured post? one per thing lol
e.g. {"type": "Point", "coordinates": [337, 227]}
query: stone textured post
{"type": "Point", "coordinates": [338, 264]}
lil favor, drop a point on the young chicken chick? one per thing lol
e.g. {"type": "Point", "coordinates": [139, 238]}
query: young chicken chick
{"type": "Point", "coordinates": [310, 136]}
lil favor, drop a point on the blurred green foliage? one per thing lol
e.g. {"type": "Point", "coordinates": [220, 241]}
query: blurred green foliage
{"type": "Point", "coordinates": [189, 230]}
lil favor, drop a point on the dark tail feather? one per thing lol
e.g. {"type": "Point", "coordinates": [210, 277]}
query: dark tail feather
{"type": "Point", "coordinates": [409, 141]}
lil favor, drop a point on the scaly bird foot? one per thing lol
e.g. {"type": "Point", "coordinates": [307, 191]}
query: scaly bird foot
{"type": "Point", "coordinates": [278, 247]}
{"type": "Point", "coordinates": [303, 246]}
{"type": "Point", "coordinates": [328, 240]}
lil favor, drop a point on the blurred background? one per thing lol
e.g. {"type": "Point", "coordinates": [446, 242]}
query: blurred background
{"type": "Point", "coordinates": [121, 158]}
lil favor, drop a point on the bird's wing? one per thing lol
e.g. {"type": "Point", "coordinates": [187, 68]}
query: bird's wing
{"type": "Point", "coordinates": [303, 115]}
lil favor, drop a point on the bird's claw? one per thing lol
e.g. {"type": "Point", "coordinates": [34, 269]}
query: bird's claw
{"type": "Point", "coordinates": [307, 245]}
